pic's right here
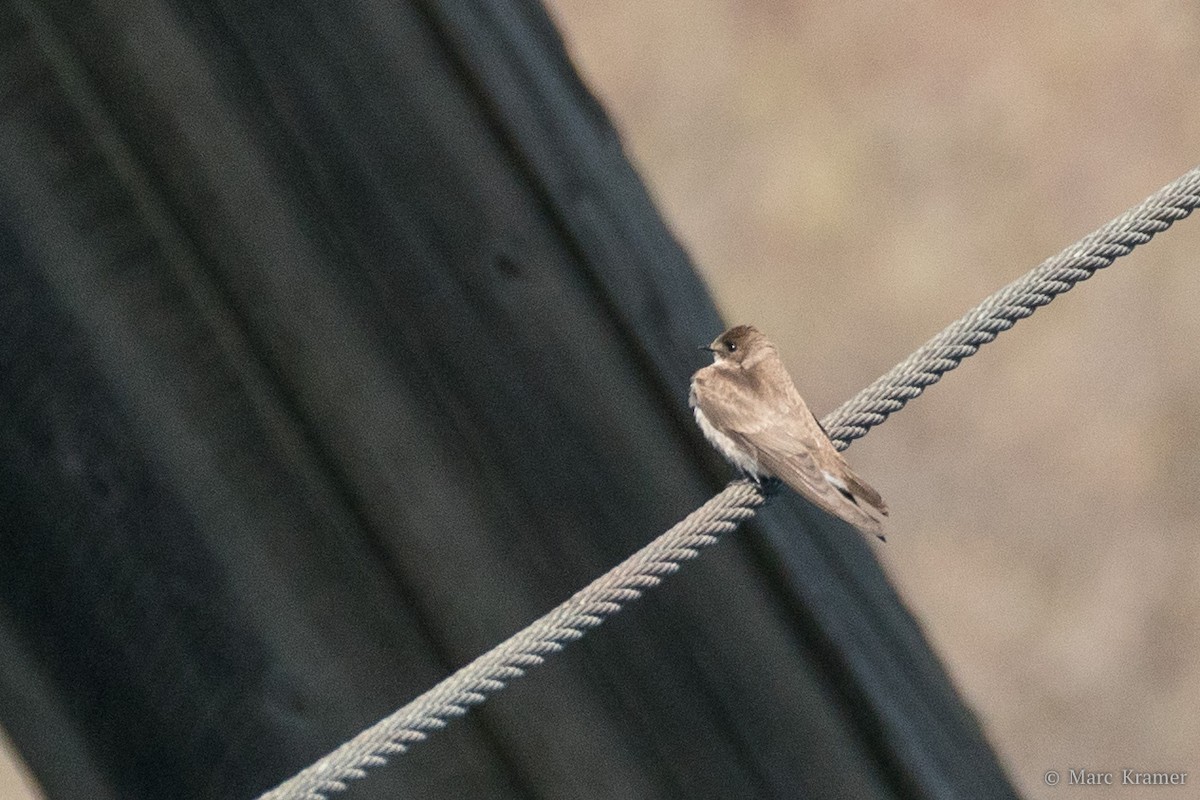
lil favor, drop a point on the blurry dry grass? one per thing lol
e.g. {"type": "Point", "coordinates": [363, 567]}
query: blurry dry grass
{"type": "Point", "coordinates": [852, 176]}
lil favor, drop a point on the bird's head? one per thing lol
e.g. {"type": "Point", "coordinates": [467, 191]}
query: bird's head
{"type": "Point", "coordinates": [740, 346]}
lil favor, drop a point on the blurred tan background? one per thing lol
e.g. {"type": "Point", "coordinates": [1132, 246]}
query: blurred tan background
{"type": "Point", "coordinates": [15, 781]}
{"type": "Point", "coordinates": [851, 177]}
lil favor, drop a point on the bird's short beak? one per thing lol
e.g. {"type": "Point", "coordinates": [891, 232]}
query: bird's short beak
{"type": "Point", "coordinates": [706, 347]}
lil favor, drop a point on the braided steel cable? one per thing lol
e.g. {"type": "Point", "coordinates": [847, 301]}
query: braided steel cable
{"type": "Point", "coordinates": [1014, 302]}
{"type": "Point", "coordinates": [738, 502]}
{"type": "Point", "coordinates": [492, 671]}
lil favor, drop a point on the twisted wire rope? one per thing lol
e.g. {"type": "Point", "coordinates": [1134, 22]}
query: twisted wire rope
{"type": "Point", "coordinates": [738, 502]}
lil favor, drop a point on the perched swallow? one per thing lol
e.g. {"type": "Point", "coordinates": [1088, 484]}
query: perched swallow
{"type": "Point", "coordinates": [749, 409]}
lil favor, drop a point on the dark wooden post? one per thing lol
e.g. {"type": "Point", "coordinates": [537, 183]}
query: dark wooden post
{"type": "Point", "coordinates": [338, 341]}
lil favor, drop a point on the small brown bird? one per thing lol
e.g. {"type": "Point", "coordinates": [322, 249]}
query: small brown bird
{"type": "Point", "coordinates": [749, 409]}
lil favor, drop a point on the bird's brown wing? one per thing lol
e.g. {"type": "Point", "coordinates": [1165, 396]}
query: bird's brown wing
{"type": "Point", "coordinates": [735, 400]}
{"type": "Point", "coordinates": [768, 419]}
{"type": "Point", "coordinates": [817, 473]}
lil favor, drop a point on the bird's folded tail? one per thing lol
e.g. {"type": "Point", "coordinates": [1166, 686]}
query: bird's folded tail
{"type": "Point", "coordinates": [864, 491]}
{"type": "Point", "coordinates": [861, 505]}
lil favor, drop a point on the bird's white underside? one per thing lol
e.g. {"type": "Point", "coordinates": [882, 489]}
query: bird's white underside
{"type": "Point", "coordinates": [728, 448]}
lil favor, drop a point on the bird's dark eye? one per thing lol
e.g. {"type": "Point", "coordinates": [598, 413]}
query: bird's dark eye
{"type": "Point", "coordinates": [731, 347]}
